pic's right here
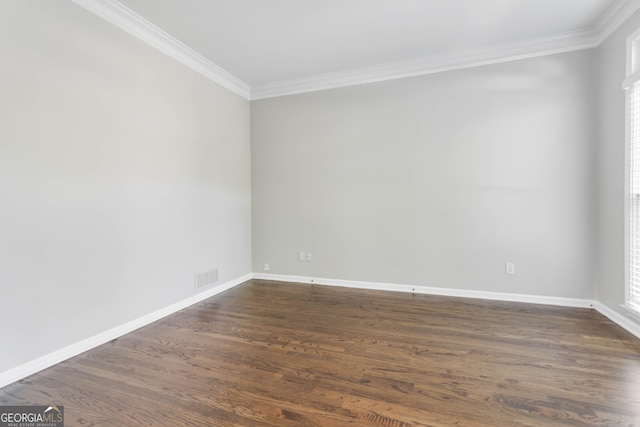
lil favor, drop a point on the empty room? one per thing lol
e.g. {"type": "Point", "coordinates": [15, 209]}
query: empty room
{"type": "Point", "coordinates": [399, 213]}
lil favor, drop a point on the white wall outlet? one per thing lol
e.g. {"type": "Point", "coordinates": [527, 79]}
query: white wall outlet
{"type": "Point", "coordinates": [266, 267]}
{"type": "Point", "coordinates": [309, 257]}
{"type": "Point", "coordinates": [302, 256]}
{"type": "Point", "coordinates": [510, 268]}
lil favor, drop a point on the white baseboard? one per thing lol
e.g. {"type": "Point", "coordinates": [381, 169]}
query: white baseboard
{"type": "Point", "coordinates": [30, 368]}
{"type": "Point", "coordinates": [496, 296]}
{"type": "Point", "coordinates": [34, 366]}
{"type": "Point", "coordinates": [624, 322]}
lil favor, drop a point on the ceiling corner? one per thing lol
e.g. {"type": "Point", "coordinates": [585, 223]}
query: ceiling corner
{"type": "Point", "coordinates": [124, 18]}
{"type": "Point", "coordinates": [614, 17]}
{"type": "Point", "coordinates": [432, 64]}
{"type": "Point", "coordinates": [119, 15]}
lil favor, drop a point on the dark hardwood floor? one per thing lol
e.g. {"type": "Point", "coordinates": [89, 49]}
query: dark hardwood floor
{"type": "Point", "coordinates": [276, 354]}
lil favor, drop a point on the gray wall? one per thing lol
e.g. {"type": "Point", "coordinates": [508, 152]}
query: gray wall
{"type": "Point", "coordinates": [435, 180]}
{"type": "Point", "coordinates": [122, 173]}
{"type": "Point", "coordinates": [611, 167]}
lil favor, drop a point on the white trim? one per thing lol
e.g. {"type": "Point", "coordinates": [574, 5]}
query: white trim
{"type": "Point", "coordinates": [34, 366]}
{"type": "Point", "coordinates": [622, 321]}
{"type": "Point", "coordinates": [629, 81]}
{"type": "Point", "coordinates": [119, 15]}
{"type": "Point", "coordinates": [463, 293]}
{"type": "Point", "coordinates": [46, 361]}
{"type": "Point", "coordinates": [625, 322]}
{"type": "Point", "coordinates": [589, 38]}
{"type": "Point", "coordinates": [631, 312]}
{"type": "Point", "coordinates": [429, 65]}
{"type": "Point", "coordinates": [615, 17]}
{"type": "Point", "coordinates": [631, 54]}
{"type": "Point", "coordinates": [124, 18]}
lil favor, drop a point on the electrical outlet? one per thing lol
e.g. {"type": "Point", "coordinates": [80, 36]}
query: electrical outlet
{"type": "Point", "coordinates": [309, 257]}
{"type": "Point", "coordinates": [510, 268]}
{"type": "Point", "coordinates": [266, 267]}
{"type": "Point", "coordinates": [302, 256]}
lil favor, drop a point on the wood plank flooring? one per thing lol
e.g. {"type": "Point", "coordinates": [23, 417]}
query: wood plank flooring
{"type": "Point", "coordinates": [276, 354]}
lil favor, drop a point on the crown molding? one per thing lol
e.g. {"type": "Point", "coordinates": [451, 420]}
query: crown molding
{"type": "Point", "coordinates": [431, 64]}
{"type": "Point", "coordinates": [127, 20]}
{"type": "Point", "coordinates": [615, 17]}
{"type": "Point", "coordinates": [124, 18]}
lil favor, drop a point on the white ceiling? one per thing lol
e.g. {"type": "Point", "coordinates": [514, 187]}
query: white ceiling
{"type": "Point", "coordinates": [270, 43]}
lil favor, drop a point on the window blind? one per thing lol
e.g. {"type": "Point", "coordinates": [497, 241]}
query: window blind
{"type": "Point", "coordinates": [633, 109]}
